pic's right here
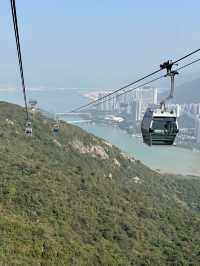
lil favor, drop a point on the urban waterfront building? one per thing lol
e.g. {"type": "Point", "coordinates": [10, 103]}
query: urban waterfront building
{"type": "Point", "coordinates": [176, 108]}
{"type": "Point", "coordinates": [106, 105]}
{"type": "Point", "coordinates": [193, 108]}
{"type": "Point", "coordinates": [142, 99]}
{"type": "Point", "coordinates": [137, 101]}
{"type": "Point", "coordinates": [198, 130]}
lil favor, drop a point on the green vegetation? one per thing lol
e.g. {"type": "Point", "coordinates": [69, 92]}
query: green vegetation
{"type": "Point", "coordinates": [72, 199]}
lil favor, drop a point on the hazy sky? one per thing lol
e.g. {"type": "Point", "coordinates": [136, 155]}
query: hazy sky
{"type": "Point", "coordinates": [101, 44]}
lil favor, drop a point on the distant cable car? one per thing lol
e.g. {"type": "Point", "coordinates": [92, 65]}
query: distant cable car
{"type": "Point", "coordinates": [159, 125]}
{"type": "Point", "coordinates": [56, 125]}
{"type": "Point", "coordinates": [56, 128]}
{"type": "Point", "coordinates": [28, 129]}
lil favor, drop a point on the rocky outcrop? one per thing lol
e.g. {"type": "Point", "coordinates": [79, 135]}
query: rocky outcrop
{"type": "Point", "coordinates": [93, 150]}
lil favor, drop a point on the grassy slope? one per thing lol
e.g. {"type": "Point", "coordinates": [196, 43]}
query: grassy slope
{"type": "Point", "coordinates": [60, 207]}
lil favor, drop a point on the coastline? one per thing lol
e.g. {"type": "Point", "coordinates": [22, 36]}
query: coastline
{"type": "Point", "coordinates": [132, 146]}
{"type": "Point", "coordinates": [93, 96]}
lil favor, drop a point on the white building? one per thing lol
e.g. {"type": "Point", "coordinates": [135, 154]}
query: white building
{"type": "Point", "coordinates": [144, 98]}
{"type": "Point", "coordinates": [176, 108]}
{"type": "Point", "coordinates": [138, 100]}
{"type": "Point", "coordinates": [198, 130]}
{"type": "Point", "coordinates": [106, 103]}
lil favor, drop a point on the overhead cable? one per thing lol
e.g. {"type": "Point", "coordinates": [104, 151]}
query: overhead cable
{"type": "Point", "coordinates": [143, 84]}
{"type": "Point", "coordinates": [16, 30]}
{"type": "Point", "coordinates": [132, 83]}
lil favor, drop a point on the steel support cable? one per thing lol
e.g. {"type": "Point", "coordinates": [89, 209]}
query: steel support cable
{"type": "Point", "coordinates": [146, 83]}
{"type": "Point", "coordinates": [184, 57]}
{"type": "Point", "coordinates": [13, 7]}
{"type": "Point", "coordinates": [16, 36]}
{"type": "Point", "coordinates": [128, 91]}
{"type": "Point", "coordinates": [132, 83]}
{"type": "Point", "coordinates": [151, 81]}
{"type": "Point", "coordinates": [122, 88]}
{"type": "Point", "coordinates": [189, 64]}
{"type": "Point", "coordinates": [16, 30]}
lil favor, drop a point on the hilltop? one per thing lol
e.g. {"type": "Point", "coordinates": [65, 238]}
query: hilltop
{"type": "Point", "coordinates": [188, 92]}
{"type": "Point", "coordinates": [74, 199]}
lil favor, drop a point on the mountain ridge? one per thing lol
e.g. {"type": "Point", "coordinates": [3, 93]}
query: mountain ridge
{"type": "Point", "coordinates": [188, 92]}
{"type": "Point", "coordinates": [185, 93]}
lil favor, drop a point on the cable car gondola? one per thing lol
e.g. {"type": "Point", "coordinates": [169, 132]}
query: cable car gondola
{"type": "Point", "coordinates": [56, 128]}
{"type": "Point", "coordinates": [28, 129]}
{"type": "Point", "coordinates": [56, 125]}
{"type": "Point", "coordinates": [159, 125]}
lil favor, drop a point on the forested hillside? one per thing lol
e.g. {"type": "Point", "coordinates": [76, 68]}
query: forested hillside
{"type": "Point", "coordinates": [74, 199]}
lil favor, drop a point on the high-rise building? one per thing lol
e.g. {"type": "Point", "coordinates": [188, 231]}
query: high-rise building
{"type": "Point", "coordinates": [140, 98]}
{"type": "Point", "coordinates": [106, 104]}
{"type": "Point", "coordinates": [198, 130]}
{"type": "Point", "coordinates": [144, 98]}
{"type": "Point", "coordinates": [176, 108]}
{"type": "Point", "coordinates": [198, 108]}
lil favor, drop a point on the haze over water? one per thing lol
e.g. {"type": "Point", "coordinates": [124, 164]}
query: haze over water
{"type": "Point", "coordinates": [166, 159]}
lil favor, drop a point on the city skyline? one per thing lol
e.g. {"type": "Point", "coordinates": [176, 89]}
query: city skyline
{"type": "Point", "coordinates": [130, 109]}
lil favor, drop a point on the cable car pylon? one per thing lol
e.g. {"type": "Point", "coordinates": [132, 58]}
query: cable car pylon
{"type": "Point", "coordinates": [159, 125]}
{"type": "Point", "coordinates": [170, 73]}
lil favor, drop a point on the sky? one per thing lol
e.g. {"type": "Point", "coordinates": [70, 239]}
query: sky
{"type": "Point", "coordinates": [95, 44]}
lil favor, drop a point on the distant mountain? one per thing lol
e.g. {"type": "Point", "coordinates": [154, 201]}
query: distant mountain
{"type": "Point", "coordinates": [188, 92]}
{"type": "Point", "coordinates": [73, 199]}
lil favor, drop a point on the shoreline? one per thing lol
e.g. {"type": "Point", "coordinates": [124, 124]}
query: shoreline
{"type": "Point", "coordinates": [93, 96]}
{"type": "Point", "coordinates": [90, 95]}
{"type": "Point", "coordinates": [189, 173]}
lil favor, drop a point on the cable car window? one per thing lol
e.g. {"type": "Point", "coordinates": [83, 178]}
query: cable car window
{"type": "Point", "coordinates": [164, 125]}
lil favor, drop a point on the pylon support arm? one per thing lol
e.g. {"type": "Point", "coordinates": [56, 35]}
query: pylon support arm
{"type": "Point", "coordinates": [170, 73]}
